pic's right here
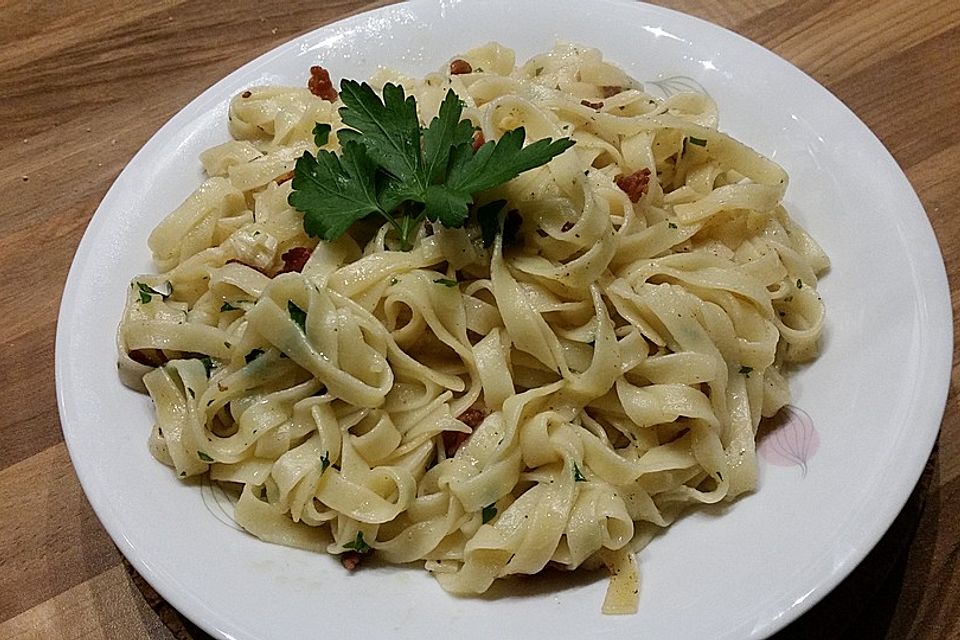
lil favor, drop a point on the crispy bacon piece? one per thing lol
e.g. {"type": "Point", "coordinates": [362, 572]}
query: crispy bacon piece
{"type": "Point", "coordinates": [320, 84]}
{"type": "Point", "coordinates": [295, 259]}
{"type": "Point", "coordinates": [283, 177]}
{"type": "Point", "coordinates": [610, 90]}
{"type": "Point", "coordinates": [453, 440]}
{"type": "Point", "coordinates": [351, 560]}
{"type": "Point", "coordinates": [593, 105]}
{"type": "Point", "coordinates": [478, 141]}
{"type": "Point", "coordinates": [635, 184]}
{"type": "Point", "coordinates": [472, 417]}
{"type": "Point", "coordinates": [459, 67]}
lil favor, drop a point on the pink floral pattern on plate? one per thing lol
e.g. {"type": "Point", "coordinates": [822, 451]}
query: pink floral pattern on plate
{"type": "Point", "coordinates": [791, 440]}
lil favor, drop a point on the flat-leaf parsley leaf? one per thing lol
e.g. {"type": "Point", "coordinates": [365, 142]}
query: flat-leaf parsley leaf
{"type": "Point", "coordinates": [391, 166]}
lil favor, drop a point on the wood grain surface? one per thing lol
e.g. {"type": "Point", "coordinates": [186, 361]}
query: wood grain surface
{"type": "Point", "coordinates": [85, 83]}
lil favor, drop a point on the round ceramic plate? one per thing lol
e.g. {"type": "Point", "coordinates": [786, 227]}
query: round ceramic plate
{"type": "Point", "coordinates": [831, 480]}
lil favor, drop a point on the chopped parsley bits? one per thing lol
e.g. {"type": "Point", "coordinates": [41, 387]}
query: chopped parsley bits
{"type": "Point", "coordinates": [577, 476]}
{"type": "Point", "coordinates": [358, 544]}
{"type": "Point", "coordinates": [671, 225]}
{"type": "Point", "coordinates": [324, 461]}
{"type": "Point", "coordinates": [208, 365]}
{"type": "Point", "coordinates": [147, 292]}
{"type": "Point", "coordinates": [298, 315]}
{"type": "Point", "coordinates": [700, 142]}
{"type": "Point", "coordinates": [447, 282]}
{"type": "Point", "coordinates": [799, 283]}
{"type": "Point", "coordinates": [203, 456]}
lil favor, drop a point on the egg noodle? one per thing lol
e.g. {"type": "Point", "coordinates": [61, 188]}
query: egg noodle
{"type": "Point", "coordinates": [554, 399]}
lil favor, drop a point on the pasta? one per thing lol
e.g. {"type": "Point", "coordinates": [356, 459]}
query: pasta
{"type": "Point", "coordinates": [553, 399]}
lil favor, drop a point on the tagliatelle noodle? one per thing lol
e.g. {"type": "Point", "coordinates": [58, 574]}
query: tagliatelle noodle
{"type": "Point", "coordinates": [621, 354]}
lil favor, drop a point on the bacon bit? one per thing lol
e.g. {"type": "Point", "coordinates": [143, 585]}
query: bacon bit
{"type": "Point", "coordinates": [320, 84]}
{"type": "Point", "coordinates": [635, 184]}
{"type": "Point", "coordinates": [459, 67]}
{"type": "Point", "coordinates": [283, 177]}
{"type": "Point", "coordinates": [245, 94]}
{"type": "Point", "coordinates": [351, 560]}
{"type": "Point", "coordinates": [566, 227]}
{"type": "Point", "coordinates": [453, 440]}
{"type": "Point", "coordinates": [593, 105]}
{"type": "Point", "coordinates": [478, 141]}
{"type": "Point", "coordinates": [295, 259]}
{"type": "Point", "coordinates": [610, 90]}
{"type": "Point", "coordinates": [472, 417]}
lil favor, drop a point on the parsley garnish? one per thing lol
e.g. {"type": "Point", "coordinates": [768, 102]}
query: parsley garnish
{"type": "Point", "coordinates": [799, 283]}
{"type": "Point", "coordinates": [147, 292]}
{"type": "Point", "coordinates": [577, 476]}
{"type": "Point", "coordinates": [490, 220]}
{"type": "Point", "coordinates": [447, 282]}
{"type": "Point", "coordinates": [253, 355]}
{"type": "Point", "coordinates": [489, 513]}
{"type": "Point", "coordinates": [298, 315]}
{"type": "Point", "coordinates": [746, 370]}
{"type": "Point", "coordinates": [204, 457]}
{"type": "Point", "coordinates": [324, 461]}
{"type": "Point", "coordinates": [671, 225]}
{"type": "Point", "coordinates": [358, 544]}
{"type": "Point", "coordinates": [207, 364]}
{"type": "Point", "coordinates": [391, 166]}
{"type": "Point", "coordinates": [700, 142]}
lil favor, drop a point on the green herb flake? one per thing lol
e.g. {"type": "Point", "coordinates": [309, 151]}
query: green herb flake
{"type": "Point", "coordinates": [392, 167]}
{"type": "Point", "coordinates": [671, 225]}
{"type": "Point", "coordinates": [577, 476]}
{"type": "Point", "coordinates": [799, 283]}
{"type": "Point", "coordinates": [490, 220]}
{"type": "Point", "coordinates": [489, 513]}
{"type": "Point", "coordinates": [744, 370]}
{"type": "Point", "coordinates": [226, 306]}
{"type": "Point", "coordinates": [147, 292]}
{"type": "Point", "coordinates": [203, 456]}
{"type": "Point", "coordinates": [324, 461]}
{"type": "Point", "coordinates": [253, 355]}
{"type": "Point", "coordinates": [700, 142]}
{"type": "Point", "coordinates": [447, 282]}
{"type": "Point", "coordinates": [358, 544]}
{"type": "Point", "coordinates": [298, 315]}
{"type": "Point", "coordinates": [321, 134]}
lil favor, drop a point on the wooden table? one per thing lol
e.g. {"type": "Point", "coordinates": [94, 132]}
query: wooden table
{"type": "Point", "coordinates": [83, 84]}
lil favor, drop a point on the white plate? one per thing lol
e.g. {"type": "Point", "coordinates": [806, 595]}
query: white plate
{"type": "Point", "coordinates": [876, 395]}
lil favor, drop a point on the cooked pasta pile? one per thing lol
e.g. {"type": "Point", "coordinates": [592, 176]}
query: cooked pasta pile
{"type": "Point", "coordinates": [552, 399]}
